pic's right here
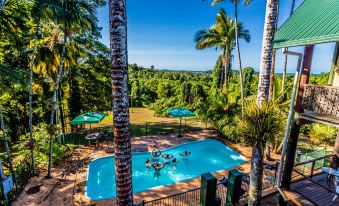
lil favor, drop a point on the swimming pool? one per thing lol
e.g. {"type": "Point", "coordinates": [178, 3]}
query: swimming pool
{"type": "Point", "coordinates": [206, 156]}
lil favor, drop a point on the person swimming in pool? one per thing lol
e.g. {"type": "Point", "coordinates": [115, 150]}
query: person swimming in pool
{"type": "Point", "coordinates": [148, 163]}
{"type": "Point", "coordinates": [185, 154]}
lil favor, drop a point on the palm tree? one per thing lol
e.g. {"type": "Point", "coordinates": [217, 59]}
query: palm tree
{"type": "Point", "coordinates": [263, 98]}
{"type": "Point", "coordinates": [235, 2]}
{"type": "Point", "coordinates": [222, 36]}
{"type": "Point", "coordinates": [8, 151]}
{"type": "Point", "coordinates": [37, 13]}
{"type": "Point", "coordinates": [285, 57]}
{"type": "Point", "coordinates": [258, 126]}
{"type": "Point", "coordinates": [12, 15]}
{"type": "Point", "coordinates": [78, 17]}
{"type": "Point", "coordinates": [119, 76]}
{"type": "Point", "coordinates": [9, 75]}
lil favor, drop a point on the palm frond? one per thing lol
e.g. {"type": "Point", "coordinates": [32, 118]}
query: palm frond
{"type": "Point", "coordinates": [12, 75]}
{"type": "Point", "coordinates": [216, 2]}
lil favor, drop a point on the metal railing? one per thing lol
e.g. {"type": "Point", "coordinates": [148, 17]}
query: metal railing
{"type": "Point", "coordinates": [299, 168]}
{"type": "Point", "coordinates": [188, 198]}
{"type": "Point", "coordinates": [311, 156]}
{"type": "Point", "coordinates": [309, 175]}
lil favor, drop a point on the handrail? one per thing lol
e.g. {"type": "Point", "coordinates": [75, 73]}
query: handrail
{"type": "Point", "coordinates": [311, 174]}
{"type": "Point", "coordinates": [321, 85]}
{"type": "Point", "coordinates": [174, 195]}
{"type": "Point", "coordinates": [313, 160]}
{"type": "Point", "coordinates": [310, 179]}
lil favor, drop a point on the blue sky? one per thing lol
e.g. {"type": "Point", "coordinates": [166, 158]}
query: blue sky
{"type": "Point", "coordinates": [161, 33]}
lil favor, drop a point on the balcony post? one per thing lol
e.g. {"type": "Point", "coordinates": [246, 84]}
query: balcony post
{"type": "Point", "coordinates": [208, 194]}
{"type": "Point", "coordinates": [295, 129]}
{"type": "Point", "coordinates": [305, 76]}
{"type": "Point", "coordinates": [234, 187]}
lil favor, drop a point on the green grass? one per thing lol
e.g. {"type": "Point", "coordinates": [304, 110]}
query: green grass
{"type": "Point", "coordinates": [143, 123]}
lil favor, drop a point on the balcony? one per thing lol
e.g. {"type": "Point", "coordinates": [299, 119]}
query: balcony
{"type": "Point", "coordinates": [321, 104]}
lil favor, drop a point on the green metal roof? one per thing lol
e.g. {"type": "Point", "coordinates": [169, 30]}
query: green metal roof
{"type": "Point", "coordinates": [314, 22]}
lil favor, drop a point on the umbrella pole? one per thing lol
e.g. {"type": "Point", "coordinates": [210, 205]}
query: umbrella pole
{"type": "Point", "coordinates": [179, 127]}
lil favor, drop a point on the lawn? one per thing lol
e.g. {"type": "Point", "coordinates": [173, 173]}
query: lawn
{"type": "Point", "coordinates": [144, 123]}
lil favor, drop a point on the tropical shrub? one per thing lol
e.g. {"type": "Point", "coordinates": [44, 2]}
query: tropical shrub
{"type": "Point", "coordinates": [41, 148]}
{"type": "Point", "coordinates": [322, 134]}
{"type": "Point", "coordinates": [259, 125]}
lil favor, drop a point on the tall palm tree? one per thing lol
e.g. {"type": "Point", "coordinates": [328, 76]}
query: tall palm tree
{"type": "Point", "coordinates": [8, 151]}
{"type": "Point", "coordinates": [235, 2]}
{"type": "Point", "coordinates": [77, 17]}
{"type": "Point", "coordinates": [272, 82]}
{"type": "Point", "coordinates": [8, 76]}
{"type": "Point", "coordinates": [222, 36]}
{"type": "Point", "coordinates": [262, 98]}
{"type": "Point", "coordinates": [12, 14]}
{"type": "Point", "coordinates": [285, 57]}
{"type": "Point", "coordinates": [37, 13]}
{"type": "Point", "coordinates": [121, 121]}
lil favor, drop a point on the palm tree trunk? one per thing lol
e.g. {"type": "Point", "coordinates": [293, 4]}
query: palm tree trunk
{"type": "Point", "coordinates": [285, 59]}
{"type": "Point", "coordinates": [31, 98]}
{"type": "Point", "coordinates": [121, 122]}
{"type": "Point", "coordinates": [62, 119]}
{"type": "Point", "coordinates": [239, 56]}
{"type": "Point", "coordinates": [266, 53]}
{"type": "Point", "coordinates": [272, 72]}
{"type": "Point", "coordinates": [254, 197]}
{"type": "Point", "coordinates": [272, 79]}
{"type": "Point", "coordinates": [226, 69]}
{"type": "Point", "coordinates": [9, 155]}
{"type": "Point", "coordinates": [271, 91]}
{"type": "Point", "coordinates": [284, 74]}
{"type": "Point", "coordinates": [263, 95]}
{"type": "Point", "coordinates": [268, 152]}
{"type": "Point", "coordinates": [54, 98]}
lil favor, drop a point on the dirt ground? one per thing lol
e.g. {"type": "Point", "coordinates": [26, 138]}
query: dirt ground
{"type": "Point", "coordinates": [67, 187]}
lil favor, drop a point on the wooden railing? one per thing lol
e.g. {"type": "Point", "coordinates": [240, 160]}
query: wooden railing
{"type": "Point", "coordinates": [321, 99]}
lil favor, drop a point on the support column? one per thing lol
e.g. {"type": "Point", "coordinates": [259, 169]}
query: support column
{"type": "Point", "coordinates": [208, 194]}
{"type": "Point", "coordinates": [234, 187]}
{"type": "Point", "coordinates": [295, 129]}
{"type": "Point", "coordinates": [290, 155]}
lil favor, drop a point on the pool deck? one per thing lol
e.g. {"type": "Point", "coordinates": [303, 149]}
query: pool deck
{"type": "Point", "coordinates": [147, 144]}
{"type": "Point", "coordinates": [67, 187]}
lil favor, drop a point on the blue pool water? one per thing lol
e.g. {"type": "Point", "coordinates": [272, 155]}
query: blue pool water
{"type": "Point", "coordinates": [206, 156]}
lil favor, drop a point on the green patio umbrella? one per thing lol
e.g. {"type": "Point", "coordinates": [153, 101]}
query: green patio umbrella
{"type": "Point", "coordinates": [180, 113]}
{"type": "Point", "coordinates": [88, 118]}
